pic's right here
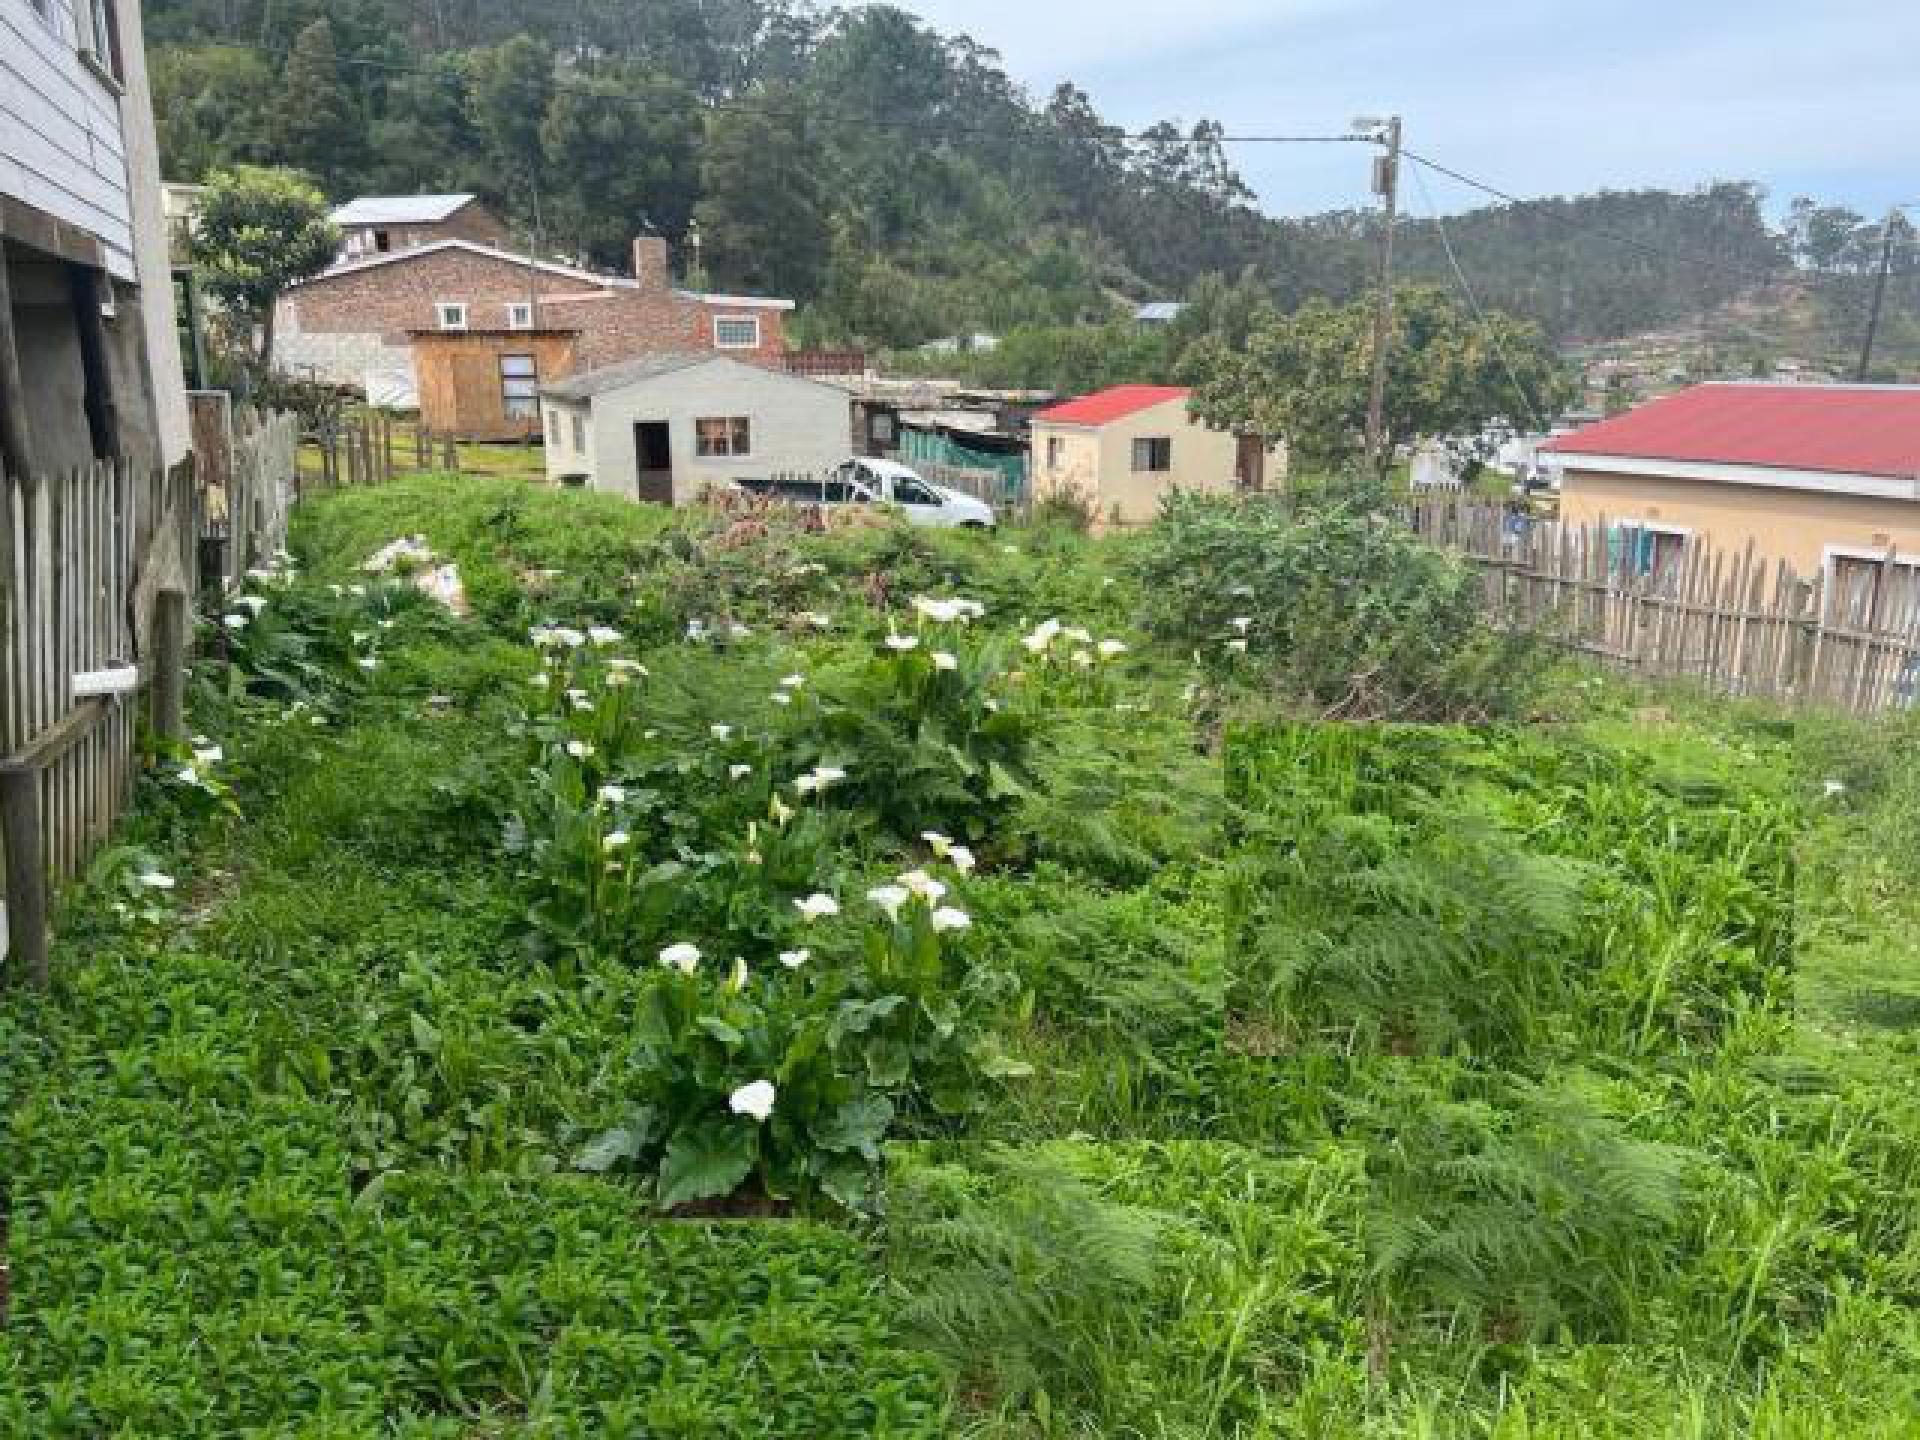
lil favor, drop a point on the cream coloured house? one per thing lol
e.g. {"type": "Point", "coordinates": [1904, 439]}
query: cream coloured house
{"type": "Point", "coordinates": [1121, 451]}
{"type": "Point", "coordinates": [1823, 477]}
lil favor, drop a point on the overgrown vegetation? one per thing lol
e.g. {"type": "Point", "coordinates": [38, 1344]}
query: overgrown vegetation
{"type": "Point", "coordinates": [1317, 1080]}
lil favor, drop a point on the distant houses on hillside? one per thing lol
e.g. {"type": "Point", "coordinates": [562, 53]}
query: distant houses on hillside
{"type": "Point", "coordinates": [426, 308]}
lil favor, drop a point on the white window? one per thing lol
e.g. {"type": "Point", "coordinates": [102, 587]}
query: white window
{"type": "Point", "coordinates": [1864, 591]}
{"type": "Point", "coordinates": [100, 35]}
{"type": "Point", "coordinates": [736, 332]}
{"type": "Point", "coordinates": [553, 429]}
{"type": "Point", "coordinates": [580, 433]}
{"type": "Point", "coordinates": [452, 315]}
{"type": "Point", "coordinates": [727, 438]}
{"type": "Point", "coordinates": [519, 387]}
{"type": "Point", "coordinates": [1056, 451]}
{"type": "Point", "coordinates": [520, 315]}
{"type": "Point", "coordinates": [1153, 456]}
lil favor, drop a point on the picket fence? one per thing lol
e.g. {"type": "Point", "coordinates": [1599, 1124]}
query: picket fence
{"type": "Point", "coordinates": [99, 568]}
{"type": "Point", "coordinates": [1729, 619]}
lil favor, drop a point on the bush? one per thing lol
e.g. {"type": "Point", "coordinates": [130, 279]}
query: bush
{"type": "Point", "coordinates": [1334, 609]}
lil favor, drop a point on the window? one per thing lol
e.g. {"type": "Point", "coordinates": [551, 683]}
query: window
{"type": "Point", "coordinates": [1153, 456]}
{"type": "Point", "coordinates": [1647, 549]}
{"type": "Point", "coordinates": [553, 429]}
{"type": "Point", "coordinates": [723, 439]}
{"type": "Point", "coordinates": [1056, 451]}
{"type": "Point", "coordinates": [912, 492]}
{"type": "Point", "coordinates": [736, 332]}
{"type": "Point", "coordinates": [382, 241]}
{"type": "Point", "coordinates": [99, 37]}
{"type": "Point", "coordinates": [451, 315]}
{"type": "Point", "coordinates": [881, 429]}
{"type": "Point", "coordinates": [1858, 600]}
{"type": "Point", "coordinates": [580, 433]}
{"type": "Point", "coordinates": [520, 315]}
{"type": "Point", "coordinates": [519, 387]}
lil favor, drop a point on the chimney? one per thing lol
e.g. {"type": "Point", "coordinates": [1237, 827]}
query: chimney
{"type": "Point", "coordinates": [650, 262]}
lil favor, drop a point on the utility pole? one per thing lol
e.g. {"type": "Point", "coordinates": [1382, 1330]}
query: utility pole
{"type": "Point", "coordinates": [1879, 297]}
{"type": "Point", "coordinates": [1386, 184]}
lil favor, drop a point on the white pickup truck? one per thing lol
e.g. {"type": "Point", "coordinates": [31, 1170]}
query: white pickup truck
{"type": "Point", "coordinates": [881, 482]}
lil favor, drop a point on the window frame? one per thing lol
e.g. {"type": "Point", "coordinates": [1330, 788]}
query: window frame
{"type": "Point", "coordinates": [738, 439]}
{"type": "Point", "coordinates": [97, 38]}
{"type": "Point", "coordinates": [516, 309]}
{"type": "Point", "coordinates": [519, 390]}
{"type": "Point", "coordinates": [1156, 447]}
{"type": "Point", "coordinates": [1056, 451]}
{"type": "Point", "coordinates": [442, 308]}
{"type": "Point", "coordinates": [579, 433]}
{"type": "Point", "coordinates": [1906, 568]}
{"type": "Point", "coordinates": [554, 429]}
{"type": "Point", "coordinates": [721, 321]}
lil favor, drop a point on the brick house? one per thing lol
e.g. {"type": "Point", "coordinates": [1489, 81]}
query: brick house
{"type": "Point", "coordinates": [355, 322]}
{"type": "Point", "coordinates": [381, 224]}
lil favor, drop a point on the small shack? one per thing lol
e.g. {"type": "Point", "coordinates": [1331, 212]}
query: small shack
{"type": "Point", "coordinates": [668, 428]}
{"type": "Point", "coordinates": [485, 384]}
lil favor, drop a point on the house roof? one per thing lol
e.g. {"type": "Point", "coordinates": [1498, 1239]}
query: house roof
{"type": "Point", "coordinates": [1159, 312]}
{"type": "Point", "coordinates": [421, 252]}
{"type": "Point", "coordinates": [400, 209]}
{"type": "Point", "coordinates": [599, 283]}
{"type": "Point", "coordinates": [618, 377]}
{"type": "Point", "coordinates": [1860, 430]}
{"type": "Point", "coordinates": [1106, 406]}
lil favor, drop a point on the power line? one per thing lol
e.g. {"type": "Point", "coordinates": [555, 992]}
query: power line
{"type": "Point", "coordinates": [1702, 261]}
{"type": "Point", "coordinates": [1533, 411]}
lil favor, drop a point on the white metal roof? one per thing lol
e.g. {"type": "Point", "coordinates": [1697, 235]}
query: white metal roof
{"type": "Point", "coordinates": [400, 209]}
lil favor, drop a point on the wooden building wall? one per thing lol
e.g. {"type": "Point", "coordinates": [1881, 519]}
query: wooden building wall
{"type": "Point", "coordinates": [461, 385]}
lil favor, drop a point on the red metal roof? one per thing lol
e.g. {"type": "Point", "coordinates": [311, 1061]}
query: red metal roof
{"type": "Point", "coordinates": [1840, 429]}
{"type": "Point", "coordinates": [1106, 406]}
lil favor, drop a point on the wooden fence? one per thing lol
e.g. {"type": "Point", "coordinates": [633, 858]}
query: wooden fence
{"type": "Point", "coordinates": [1010, 500]}
{"type": "Point", "coordinates": [1677, 607]}
{"type": "Point", "coordinates": [98, 568]}
{"type": "Point", "coordinates": [361, 450]}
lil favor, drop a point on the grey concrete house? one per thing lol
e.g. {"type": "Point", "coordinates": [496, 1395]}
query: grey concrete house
{"type": "Point", "coordinates": [667, 428]}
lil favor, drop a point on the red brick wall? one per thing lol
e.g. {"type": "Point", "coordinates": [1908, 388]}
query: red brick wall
{"type": "Point", "coordinates": [472, 222]}
{"type": "Point", "coordinates": [615, 324]}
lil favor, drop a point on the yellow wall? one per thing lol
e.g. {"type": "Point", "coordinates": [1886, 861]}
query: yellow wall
{"type": "Point", "coordinates": [1791, 525]}
{"type": "Point", "coordinates": [1097, 464]}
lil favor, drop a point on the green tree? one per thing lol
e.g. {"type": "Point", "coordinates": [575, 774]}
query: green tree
{"type": "Point", "coordinates": [764, 221]}
{"type": "Point", "coordinates": [261, 231]}
{"type": "Point", "coordinates": [623, 151]}
{"type": "Point", "coordinates": [511, 88]}
{"type": "Point", "coordinates": [1304, 378]}
{"type": "Point", "coordinates": [315, 125]}
{"type": "Point", "coordinates": [211, 102]}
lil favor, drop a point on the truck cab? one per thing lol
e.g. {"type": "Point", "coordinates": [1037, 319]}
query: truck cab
{"type": "Point", "coordinates": [863, 481]}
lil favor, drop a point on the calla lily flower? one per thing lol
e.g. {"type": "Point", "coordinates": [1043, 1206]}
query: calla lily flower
{"type": "Point", "coordinates": [755, 1100]}
{"type": "Point", "coordinates": [683, 957]}
{"type": "Point", "coordinates": [737, 981]}
{"type": "Point", "coordinates": [1112, 649]}
{"type": "Point", "coordinates": [616, 840]}
{"type": "Point", "coordinates": [936, 842]}
{"type": "Point", "coordinates": [890, 898]}
{"type": "Point", "coordinates": [720, 732]}
{"type": "Point", "coordinates": [794, 959]}
{"type": "Point", "coordinates": [613, 794]}
{"type": "Point", "coordinates": [739, 772]}
{"type": "Point", "coordinates": [961, 858]}
{"type": "Point", "coordinates": [947, 918]}
{"type": "Point", "coordinates": [942, 660]}
{"type": "Point", "coordinates": [923, 885]}
{"type": "Point", "coordinates": [579, 749]}
{"type": "Point", "coordinates": [155, 880]}
{"type": "Point", "coordinates": [817, 906]}
{"type": "Point", "coordinates": [903, 644]}
{"type": "Point", "coordinates": [603, 635]}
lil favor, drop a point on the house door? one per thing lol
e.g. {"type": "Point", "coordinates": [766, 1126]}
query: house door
{"type": "Point", "coordinates": [653, 452]}
{"type": "Point", "coordinates": [1250, 463]}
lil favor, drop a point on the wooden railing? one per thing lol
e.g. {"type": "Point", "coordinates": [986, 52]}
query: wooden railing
{"type": "Point", "coordinates": [1730, 619]}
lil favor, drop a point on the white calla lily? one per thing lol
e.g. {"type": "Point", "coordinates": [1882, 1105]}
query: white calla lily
{"type": "Point", "coordinates": [947, 918]}
{"type": "Point", "coordinates": [684, 957]}
{"type": "Point", "coordinates": [890, 898]}
{"type": "Point", "coordinates": [817, 906]}
{"type": "Point", "coordinates": [756, 1100]}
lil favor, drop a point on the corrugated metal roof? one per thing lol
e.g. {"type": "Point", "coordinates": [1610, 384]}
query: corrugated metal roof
{"type": "Point", "coordinates": [1836, 429]}
{"type": "Point", "coordinates": [1106, 406]}
{"type": "Point", "coordinates": [400, 209]}
{"type": "Point", "coordinates": [1159, 312]}
{"type": "Point", "coordinates": [618, 377]}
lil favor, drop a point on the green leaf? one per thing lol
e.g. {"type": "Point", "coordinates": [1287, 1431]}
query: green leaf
{"type": "Point", "coordinates": [622, 1142]}
{"type": "Point", "coordinates": [706, 1161]}
{"type": "Point", "coordinates": [857, 1125]}
{"type": "Point", "coordinates": [847, 1181]}
{"type": "Point", "coordinates": [425, 1037]}
{"type": "Point", "coordinates": [720, 1030]}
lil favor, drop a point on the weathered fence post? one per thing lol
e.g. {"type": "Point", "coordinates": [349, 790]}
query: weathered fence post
{"type": "Point", "coordinates": [26, 873]}
{"type": "Point", "coordinates": [170, 664]}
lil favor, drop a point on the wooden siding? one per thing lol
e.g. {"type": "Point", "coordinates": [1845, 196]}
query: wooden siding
{"type": "Point", "coordinates": [461, 385]}
{"type": "Point", "coordinates": [62, 146]}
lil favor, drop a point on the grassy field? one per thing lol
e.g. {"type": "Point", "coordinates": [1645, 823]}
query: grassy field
{"type": "Point", "coordinates": [1164, 1065]}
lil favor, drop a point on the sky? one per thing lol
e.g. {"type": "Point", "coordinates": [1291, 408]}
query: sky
{"type": "Point", "coordinates": [1536, 97]}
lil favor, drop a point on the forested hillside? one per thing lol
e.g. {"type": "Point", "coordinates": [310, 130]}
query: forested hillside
{"type": "Point", "coordinates": [894, 179]}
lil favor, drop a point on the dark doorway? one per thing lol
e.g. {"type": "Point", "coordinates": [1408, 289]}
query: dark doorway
{"type": "Point", "coordinates": [653, 447]}
{"type": "Point", "coordinates": [1250, 463]}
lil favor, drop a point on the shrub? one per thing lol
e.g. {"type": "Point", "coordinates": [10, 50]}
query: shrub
{"type": "Point", "coordinates": [1335, 609]}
